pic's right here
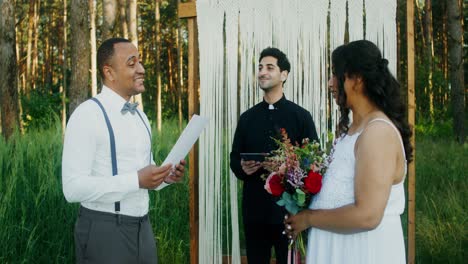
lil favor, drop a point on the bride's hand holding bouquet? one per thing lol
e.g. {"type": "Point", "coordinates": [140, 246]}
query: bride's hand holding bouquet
{"type": "Point", "coordinates": [296, 173]}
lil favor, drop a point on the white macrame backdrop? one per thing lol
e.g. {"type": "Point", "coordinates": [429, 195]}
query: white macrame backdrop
{"type": "Point", "coordinates": [232, 39]}
{"type": "Point", "coordinates": [381, 29]}
{"type": "Point", "coordinates": [232, 33]}
{"type": "Point", "coordinates": [211, 157]}
{"type": "Point", "coordinates": [356, 30]}
{"type": "Point", "coordinates": [337, 36]}
{"type": "Point", "coordinates": [313, 61]}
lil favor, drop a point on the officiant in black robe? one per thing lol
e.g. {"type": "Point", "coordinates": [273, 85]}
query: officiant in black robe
{"type": "Point", "coordinates": [262, 217]}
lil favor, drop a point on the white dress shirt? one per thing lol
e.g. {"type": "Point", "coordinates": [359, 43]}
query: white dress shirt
{"type": "Point", "coordinates": [86, 161]}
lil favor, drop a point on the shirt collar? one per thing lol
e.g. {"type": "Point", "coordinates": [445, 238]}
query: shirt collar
{"type": "Point", "coordinates": [279, 104]}
{"type": "Point", "coordinates": [114, 100]}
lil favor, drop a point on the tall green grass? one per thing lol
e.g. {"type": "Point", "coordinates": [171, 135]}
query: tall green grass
{"type": "Point", "coordinates": [36, 223]}
{"type": "Point", "coordinates": [169, 208]}
{"type": "Point", "coordinates": [441, 200]}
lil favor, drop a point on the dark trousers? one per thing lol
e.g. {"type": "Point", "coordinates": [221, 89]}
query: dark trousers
{"type": "Point", "coordinates": [260, 238]}
{"type": "Point", "coordinates": [101, 238]}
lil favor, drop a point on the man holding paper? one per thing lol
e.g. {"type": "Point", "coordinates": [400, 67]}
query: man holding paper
{"type": "Point", "coordinates": [108, 167]}
{"type": "Point", "coordinates": [263, 218]}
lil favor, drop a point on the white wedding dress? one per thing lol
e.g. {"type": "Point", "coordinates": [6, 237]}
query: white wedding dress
{"type": "Point", "coordinates": [382, 245]}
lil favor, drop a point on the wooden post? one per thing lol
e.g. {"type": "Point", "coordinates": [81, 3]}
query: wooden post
{"type": "Point", "coordinates": [188, 10]}
{"type": "Point", "coordinates": [411, 110]}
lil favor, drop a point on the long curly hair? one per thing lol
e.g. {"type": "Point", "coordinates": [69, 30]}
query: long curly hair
{"type": "Point", "coordinates": [363, 58]}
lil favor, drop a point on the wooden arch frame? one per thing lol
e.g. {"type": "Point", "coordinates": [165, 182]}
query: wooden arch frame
{"type": "Point", "coordinates": [188, 11]}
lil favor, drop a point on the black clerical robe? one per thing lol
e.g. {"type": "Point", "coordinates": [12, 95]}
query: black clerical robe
{"type": "Point", "coordinates": [255, 130]}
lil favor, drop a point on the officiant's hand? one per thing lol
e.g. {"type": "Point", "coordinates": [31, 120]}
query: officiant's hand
{"type": "Point", "coordinates": [268, 165]}
{"type": "Point", "coordinates": [295, 224]}
{"type": "Point", "coordinates": [177, 173]}
{"type": "Point", "coordinates": [152, 176]}
{"type": "Point", "coordinates": [250, 166]}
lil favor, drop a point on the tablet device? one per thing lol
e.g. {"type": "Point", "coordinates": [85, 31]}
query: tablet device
{"type": "Point", "coordinates": [254, 156]}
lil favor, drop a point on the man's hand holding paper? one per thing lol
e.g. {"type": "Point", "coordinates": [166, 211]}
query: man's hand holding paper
{"type": "Point", "coordinates": [151, 176]}
{"type": "Point", "coordinates": [177, 173]}
{"type": "Point", "coordinates": [187, 138]}
{"type": "Point", "coordinates": [173, 168]}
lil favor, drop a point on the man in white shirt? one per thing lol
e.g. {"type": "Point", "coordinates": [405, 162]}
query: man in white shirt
{"type": "Point", "coordinates": [107, 164]}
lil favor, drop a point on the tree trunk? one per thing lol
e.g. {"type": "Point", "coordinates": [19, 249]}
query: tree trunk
{"type": "Point", "coordinates": [19, 58]}
{"type": "Point", "coordinates": [422, 104]}
{"type": "Point", "coordinates": [47, 69]}
{"type": "Point", "coordinates": [63, 62]}
{"type": "Point", "coordinates": [79, 53]}
{"type": "Point", "coordinates": [158, 68]}
{"type": "Point", "coordinates": [455, 40]}
{"type": "Point", "coordinates": [109, 10]}
{"type": "Point", "coordinates": [401, 47]}
{"type": "Point", "coordinates": [170, 66]}
{"type": "Point", "coordinates": [8, 69]}
{"type": "Point", "coordinates": [31, 59]}
{"type": "Point", "coordinates": [421, 27]}
{"type": "Point", "coordinates": [398, 27]}
{"type": "Point", "coordinates": [92, 32]}
{"type": "Point", "coordinates": [180, 76]}
{"type": "Point", "coordinates": [146, 47]}
{"type": "Point", "coordinates": [429, 52]}
{"type": "Point", "coordinates": [54, 59]}
{"type": "Point", "coordinates": [445, 56]}
{"type": "Point", "coordinates": [133, 36]}
{"type": "Point", "coordinates": [17, 44]}
{"type": "Point", "coordinates": [19, 67]}
{"type": "Point", "coordinates": [34, 54]}
{"type": "Point", "coordinates": [32, 4]}
{"type": "Point", "coordinates": [123, 18]}
{"type": "Point", "coordinates": [132, 22]}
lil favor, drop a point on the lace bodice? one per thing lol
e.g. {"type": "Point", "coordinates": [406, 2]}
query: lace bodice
{"type": "Point", "coordinates": [338, 181]}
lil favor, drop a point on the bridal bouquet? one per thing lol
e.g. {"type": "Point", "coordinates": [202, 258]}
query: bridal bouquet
{"type": "Point", "coordinates": [296, 172]}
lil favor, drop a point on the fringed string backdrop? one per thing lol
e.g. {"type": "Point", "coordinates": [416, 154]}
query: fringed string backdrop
{"type": "Point", "coordinates": [355, 28]}
{"type": "Point", "coordinates": [232, 52]}
{"type": "Point", "coordinates": [337, 34]}
{"type": "Point", "coordinates": [313, 60]}
{"type": "Point", "coordinates": [232, 33]}
{"type": "Point", "coordinates": [212, 154]}
{"type": "Point", "coordinates": [381, 28]}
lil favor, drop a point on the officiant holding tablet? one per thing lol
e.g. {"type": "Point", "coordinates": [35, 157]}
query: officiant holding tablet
{"type": "Point", "coordinates": [262, 217]}
{"type": "Point", "coordinates": [107, 164]}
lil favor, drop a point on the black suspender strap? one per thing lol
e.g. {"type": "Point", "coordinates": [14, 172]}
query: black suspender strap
{"type": "Point", "coordinates": [112, 146]}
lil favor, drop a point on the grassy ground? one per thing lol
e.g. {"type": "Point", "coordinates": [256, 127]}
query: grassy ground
{"type": "Point", "coordinates": [441, 201]}
{"type": "Point", "coordinates": [36, 223]}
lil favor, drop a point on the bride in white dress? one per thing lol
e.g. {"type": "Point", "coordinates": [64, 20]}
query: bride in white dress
{"type": "Point", "coordinates": [356, 216]}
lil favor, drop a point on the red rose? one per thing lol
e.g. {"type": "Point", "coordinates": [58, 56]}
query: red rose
{"type": "Point", "coordinates": [313, 182]}
{"type": "Point", "coordinates": [274, 184]}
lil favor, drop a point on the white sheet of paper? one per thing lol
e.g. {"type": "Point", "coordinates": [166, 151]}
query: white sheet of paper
{"type": "Point", "coordinates": [186, 140]}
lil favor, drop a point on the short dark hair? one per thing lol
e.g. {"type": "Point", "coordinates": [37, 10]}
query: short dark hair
{"type": "Point", "coordinates": [106, 51]}
{"type": "Point", "coordinates": [283, 62]}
